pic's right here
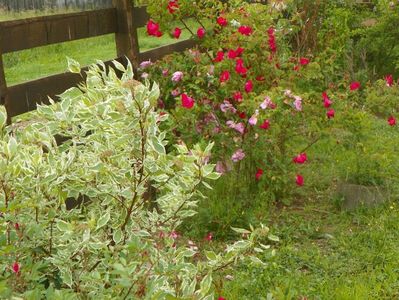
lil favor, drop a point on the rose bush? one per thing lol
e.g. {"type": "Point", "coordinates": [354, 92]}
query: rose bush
{"type": "Point", "coordinates": [269, 83]}
{"type": "Point", "coordinates": [252, 94]}
{"type": "Point", "coordinates": [97, 215]}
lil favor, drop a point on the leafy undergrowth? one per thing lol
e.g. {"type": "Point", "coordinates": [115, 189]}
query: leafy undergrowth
{"type": "Point", "coordinates": [325, 253]}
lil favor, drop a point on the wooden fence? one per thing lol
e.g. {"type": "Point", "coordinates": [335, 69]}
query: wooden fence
{"type": "Point", "coordinates": [122, 19]}
{"type": "Point", "coordinates": [20, 5]}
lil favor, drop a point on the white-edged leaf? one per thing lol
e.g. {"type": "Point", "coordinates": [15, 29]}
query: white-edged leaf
{"type": "Point", "coordinates": [117, 236]}
{"type": "Point", "coordinates": [103, 220]}
{"type": "Point", "coordinates": [73, 66]}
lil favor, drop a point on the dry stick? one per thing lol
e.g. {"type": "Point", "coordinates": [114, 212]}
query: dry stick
{"type": "Point", "coordinates": [188, 28]}
{"type": "Point", "coordinates": [193, 34]}
{"type": "Point", "coordinates": [6, 205]}
{"type": "Point", "coordinates": [311, 144]}
{"type": "Point", "coordinates": [140, 181]}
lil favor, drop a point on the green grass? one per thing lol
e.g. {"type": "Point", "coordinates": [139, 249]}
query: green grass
{"type": "Point", "coordinates": [44, 61]}
{"type": "Point", "coordinates": [327, 254]}
{"type": "Point", "coordinates": [323, 253]}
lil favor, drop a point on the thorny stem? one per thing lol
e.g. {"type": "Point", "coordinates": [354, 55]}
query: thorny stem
{"type": "Point", "coordinates": [6, 197]}
{"type": "Point", "coordinates": [186, 26]}
{"type": "Point", "coordinates": [311, 144]}
{"type": "Point", "coordinates": [193, 34]}
{"type": "Point", "coordinates": [185, 201]}
{"type": "Point", "coordinates": [141, 171]}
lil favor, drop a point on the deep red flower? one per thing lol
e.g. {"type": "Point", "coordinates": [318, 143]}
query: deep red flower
{"type": "Point", "coordinates": [177, 33]}
{"type": "Point", "coordinates": [248, 86]}
{"type": "Point", "coordinates": [300, 158]}
{"type": "Point", "coordinates": [240, 68]}
{"type": "Point", "coordinates": [219, 56]}
{"type": "Point", "coordinates": [272, 40]}
{"type": "Point", "coordinates": [245, 30]}
{"type": "Point", "coordinates": [260, 78]}
{"type": "Point", "coordinates": [225, 76]}
{"type": "Point", "coordinates": [391, 121]}
{"type": "Point", "coordinates": [201, 32]}
{"type": "Point", "coordinates": [389, 80]}
{"type": "Point", "coordinates": [242, 115]}
{"type": "Point", "coordinates": [172, 6]}
{"type": "Point", "coordinates": [16, 226]}
{"type": "Point", "coordinates": [299, 180]}
{"type": "Point", "coordinates": [209, 237]}
{"type": "Point", "coordinates": [221, 298]}
{"type": "Point", "coordinates": [153, 29]}
{"type": "Point", "coordinates": [326, 100]}
{"type": "Point", "coordinates": [221, 21]}
{"type": "Point", "coordinates": [331, 113]}
{"type": "Point", "coordinates": [354, 86]}
{"type": "Point", "coordinates": [265, 125]}
{"type": "Point", "coordinates": [239, 51]}
{"type": "Point", "coordinates": [238, 96]}
{"type": "Point", "coordinates": [231, 54]}
{"type": "Point", "coordinates": [304, 61]}
{"type": "Point", "coordinates": [186, 101]}
{"type": "Point", "coordinates": [258, 174]}
{"type": "Point", "coordinates": [16, 268]}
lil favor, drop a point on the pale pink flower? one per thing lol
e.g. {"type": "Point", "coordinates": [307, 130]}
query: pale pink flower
{"type": "Point", "coordinates": [175, 92]}
{"type": "Point", "coordinates": [240, 127]}
{"type": "Point", "coordinates": [177, 76]}
{"type": "Point", "coordinates": [288, 93]}
{"type": "Point", "coordinates": [254, 118]}
{"type": "Point", "coordinates": [238, 155]}
{"type": "Point", "coordinates": [226, 106]}
{"type": "Point", "coordinates": [266, 103]}
{"type": "Point", "coordinates": [145, 64]}
{"type": "Point", "coordinates": [211, 70]}
{"type": "Point", "coordinates": [220, 167]}
{"type": "Point", "coordinates": [298, 103]}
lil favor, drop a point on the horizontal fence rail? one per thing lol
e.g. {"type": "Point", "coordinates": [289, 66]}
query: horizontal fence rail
{"type": "Point", "coordinates": [21, 5]}
{"type": "Point", "coordinates": [41, 31]}
{"type": "Point", "coordinates": [122, 19]}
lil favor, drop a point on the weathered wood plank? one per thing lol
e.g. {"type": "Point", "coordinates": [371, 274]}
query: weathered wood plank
{"type": "Point", "coordinates": [160, 52]}
{"type": "Point", "coordinates": [4, 96]}
{"type": "Point", "coordinates": [140, 16]}
{"type": "Point", "coordinates": [40, 31]}
{"type": "Point", "coordinates": [24, 97]}
{"type": "Point", "coordinates": [126, 38]}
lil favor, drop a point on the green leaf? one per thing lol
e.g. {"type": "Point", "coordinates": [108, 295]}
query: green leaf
{"type": "Point", "coordinates": [3, 117]}
{"type": "Point", "coordinates": [273, 238]}
{"type": "Point", "coordinates": [63, 226]}
{"type": "Point", "coordinates": [12, 147]}
{"type": "Point", "coordinates": [241, 231]}
{"type": "Point", "coordinates": [205, 285]}
{"type": "Point", "coordinates": [66, 276]}
{"type": "Point", "coordinates": [210, 255]}
{"type": "Point", "coordinates": [158, 147]}
{"type": "Point", "coordinates": [117, 236]}
{"type": "Point", "coordinates": [103, 220]}
{"type": "Point", "coordinates": [73, 66]}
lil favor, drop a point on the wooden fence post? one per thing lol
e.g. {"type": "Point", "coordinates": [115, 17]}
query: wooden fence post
{"type": "Point", "coordinates": [126, 36]}
{"type": "Point", "coordinates": [4, 97]}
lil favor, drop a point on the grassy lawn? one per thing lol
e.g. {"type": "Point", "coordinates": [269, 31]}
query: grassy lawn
{"type": "Point", "coordinates": [43, 61]}
{"type": "Point", "coordinates": [324, 252]}
{"type": "Point", "coordinates": [327, 254]}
